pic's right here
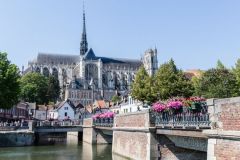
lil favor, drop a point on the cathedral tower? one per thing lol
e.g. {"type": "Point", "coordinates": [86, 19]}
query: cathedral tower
{"type": "Point", "coordinates": [150, 61]}
{"type": "Point", "coordinates": [84, 43]}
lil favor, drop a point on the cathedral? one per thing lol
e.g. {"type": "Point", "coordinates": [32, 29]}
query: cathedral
{"type": "Point", "coordinates": [86, 76]}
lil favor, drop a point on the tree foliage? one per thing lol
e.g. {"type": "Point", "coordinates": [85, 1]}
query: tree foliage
{"type": "Point", "coordinates": [217, 83]}
{"type": "Point", "coordinates": [142, 87]}
{"type": "Point", "coordinates": [236, 71]}
{"type": "Point", "coordinates": [9, 82]}
{"type": "Point", "coordinates": [34, 88]}
{"type": "Point", "coordinates": [53, 91]}
{"type": "Point", "coordinates": [116, 99]}
{"type": "Point", "coordinates": [169, 82]}
{"type": "Point", "coordinates": [220, 65]}
{"type": "Point", "coordinates": [38, 88]}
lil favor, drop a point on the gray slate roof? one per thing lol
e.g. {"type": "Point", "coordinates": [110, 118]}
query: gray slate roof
{"type": "Point", "coordinates": [44, 58]}
{"type": "Point", "coordinates": [54, 59]}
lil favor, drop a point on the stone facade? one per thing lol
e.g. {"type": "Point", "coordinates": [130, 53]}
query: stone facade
{"type": "Point", "coordinates": [72, 138]}
{"type": "Point", "coordinates": [94, 135]}
{"type": "Point", "coordinates": [150, 61]}
{"type": "Point", "coordinates": [86, 71]}
{"type": "Point", "coordinates": [225, 149]}
{"type": "Point", "coordinates": [224, 138]}
{"type": "Point", "coordinates": [133, 120]}
{"type": "Point", "coordinates": [169, 151]}
{"type": "Point", "coordinates": [16, 139]}
{"type": "Point", "coordinates": [132, 137]}
{"type": "Point", "coordinates": [193, 143]}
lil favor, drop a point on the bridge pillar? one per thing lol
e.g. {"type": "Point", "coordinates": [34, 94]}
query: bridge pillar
{"type": "Point", "coordinates": [94, 135]}
{"type": "Point", "coordinates": [133, 136]}
{"type": "Point", "coordinates": [89, 134]}
{"type": "Point", "coordinates": [72, 138]}
{"type": "Point", "coordinates": [224, 137]}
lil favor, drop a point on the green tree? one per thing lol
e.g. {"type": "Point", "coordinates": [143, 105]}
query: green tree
{"type": "Point", "coordinates": [236, 71]}
{"type": "Point", "coordinates": [141, 88]}
{"type": "Point", "coordinates": [34, 87]}
{"type": "Point", "coordinates": [115, 99]}
{"type": "Point", "coordinates": [171, 82]}
{"type": "Point", "coordinates": [53, 91]}
{"type": "Point", "coordinates": [220, 65]}
{"type": "Point", "coordinates": [195, 82]}
{"type": "Point", "coordinates": [218, 83]}
{"type": "Point", "coordinates": [9, 82]}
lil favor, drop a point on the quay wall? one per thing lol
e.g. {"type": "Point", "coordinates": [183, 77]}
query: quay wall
{"type": "Point", "coordinates": [16, 139]}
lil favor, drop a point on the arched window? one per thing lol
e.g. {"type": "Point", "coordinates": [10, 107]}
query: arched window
{"type": "Point", "coordinates": [45, 72]}
{"type": "Point", "coordinates": [55, 72]}
{"type": "Point", "coordinates": [37, 70]}
{"type": "Point", "coordinates": [91, 72]}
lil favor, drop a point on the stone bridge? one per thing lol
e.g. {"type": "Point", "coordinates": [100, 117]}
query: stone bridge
{"type": "Point", "coordinates": [212, 136]}
{"type": "Point", "coordinates": [142, 135]}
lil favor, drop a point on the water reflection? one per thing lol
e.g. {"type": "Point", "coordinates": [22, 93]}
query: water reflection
{"type": "Point", "coordinates": [83, 151]}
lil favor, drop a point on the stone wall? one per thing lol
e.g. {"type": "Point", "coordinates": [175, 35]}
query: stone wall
{"type": "Point", "coordinates": [224, 137]}
{"type": "Point", "coordinates": [194, 143]}
{"type": "Point", "coordinates": [225, 114]}
{"type": "Point", "coordinates": [169, 151]}
{"type": "Point", "coordinates": [134, 145]}
{"type": "Point", "coordinates": [135, 119]}
{"type": "Point", "coordinates": [16, 139]}
{"type": "Point", "coordinates": [227, 149]}
{"type": "Point", "coordinates": [133, 137]}
{"type": "Point", "coordinates": [94, 135]}
{"type": "Point", "coordinates": [72, 138]}
{"type": "Point", "coordinates": [89, 134]}
{"type": "Point", "coordinates": [88, 122]}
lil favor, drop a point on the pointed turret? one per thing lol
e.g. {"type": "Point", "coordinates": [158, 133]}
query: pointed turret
{"type": "Point", "coordinates": [84, 44]}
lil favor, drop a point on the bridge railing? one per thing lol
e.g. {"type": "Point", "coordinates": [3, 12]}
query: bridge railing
{"type": "Point", "coordinates": [182, 120]}
{"type": "Point", "coordinates": [59, 123]}
{"type": "Point", "coordinates": [103, 122]}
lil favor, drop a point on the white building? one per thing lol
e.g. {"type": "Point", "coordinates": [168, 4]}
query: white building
{"type": "Point", "coordinates": [130, 106]}
{"type": "Point", "coordinates": [64, 110]}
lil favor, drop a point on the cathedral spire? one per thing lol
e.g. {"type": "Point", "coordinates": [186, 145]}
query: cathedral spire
{"type": "Point", "coordinates": [84, 44]}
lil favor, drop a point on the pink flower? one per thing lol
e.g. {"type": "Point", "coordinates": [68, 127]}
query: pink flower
{"type": "Point", "coordinates": [159, 107]}
{"type": "Point", "coordinates": [109, 114]}
{"type": "Point", "coordinates": [103, 115]}
{"type": "Point", "coordinates": [96, 116]}
{"type": "Point", "coordinates": [175, 104]}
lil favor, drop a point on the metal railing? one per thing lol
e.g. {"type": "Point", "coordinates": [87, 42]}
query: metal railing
{"type": "Point", "coordinates": [182, 120]}
{"type": "Point", "coordinates": [66, 123]}
{"type": "Point", "coordinates": [103, 122]}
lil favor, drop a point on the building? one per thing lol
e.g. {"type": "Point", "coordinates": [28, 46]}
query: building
{"type": "Point", "coordinates": [129, 105]}
{"type": "Point", "coordinates": [150, 61]}
{"type": "Point", "coordinates": [63, 111]}
{"type": "Point", "coordinates": [18, 112]}
{"type": "Point", "coordinates": [86, 77]}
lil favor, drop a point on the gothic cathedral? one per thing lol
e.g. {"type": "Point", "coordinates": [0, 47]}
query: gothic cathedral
{"type": "Point", "coordinates": [86, 77]}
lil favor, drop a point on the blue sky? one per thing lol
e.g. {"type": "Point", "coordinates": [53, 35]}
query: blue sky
{"type": "Point", "coordinates": [195, 33]}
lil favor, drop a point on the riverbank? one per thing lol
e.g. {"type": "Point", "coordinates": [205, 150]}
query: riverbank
{"type": "Point", "coordinates": [16, 138]}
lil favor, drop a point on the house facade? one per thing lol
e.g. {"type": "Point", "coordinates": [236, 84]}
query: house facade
{"type": "Point", "coordinates": [130, 105]}
{"type": "Point", "coordinates": [63, 111]}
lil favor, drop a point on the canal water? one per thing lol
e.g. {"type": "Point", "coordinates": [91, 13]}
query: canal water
{"type": "Point", "coordinates": [82, 151]}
